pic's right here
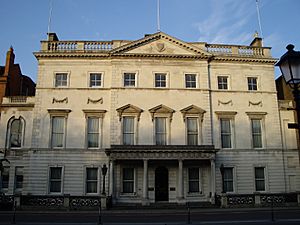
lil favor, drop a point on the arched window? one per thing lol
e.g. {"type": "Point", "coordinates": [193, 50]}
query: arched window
{"type": "Point", "coordinates": [15, 132]}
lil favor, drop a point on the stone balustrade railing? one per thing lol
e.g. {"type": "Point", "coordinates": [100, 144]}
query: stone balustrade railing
{"type": "Point", "coordinates": [250, 51]}
{"type": "Point", "coordinates": [73, 46]}
{"type": "Point", "coordinates": [98, 46]}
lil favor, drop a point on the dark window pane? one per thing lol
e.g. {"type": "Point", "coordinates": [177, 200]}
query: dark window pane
{"type": "Point", "coordinates": [128, 180]}
{"type": "Point", "coordinates": [55, 186]}
{"type": "Point", "coordinates": [228, 179]}
{"type": "Point", "coordinates": [58, 124]}
{"type": "Point", "coordinates": [91, 187]}
{"type": "Point", "coordinates": [129, 79]}
{"type": "Point", "coordinates": [225, 133]}
{"type": "Point", "coordinates": [5, 177]}
{"type": "Point", "coordinates": [127, 186]}
{"type": "Point", "coordinates": [16, 133]}
{"type": "Point", "coordinates": [193, 179]}
{"type": "Point", "coordinates": [160, 80]}
{"type": "Point", "coordinates": [19, 177]}
{"type": "Point", "coordinates": [91, 180]}
{"type": "Point", "coordinates": [252, 83]}
{"type": "Point", "coordinates": [95, 79]}
{"type": "Point", "coordinates": [190, 80]}
{"type": "Point", "coordinates": [92, 173]}
{"type": "Point", "coordinates": [222, 83]}
{"type": "Point", "coordinates": [128, 174]}
{"type": "Point", "coordinates": [93, 132]}
{"type": "Point", "coordinates": [55, 173]}
{"type": "Point", "coordinates": [192, 131]}
{"type": "Point", "coordinates": [260, 178]}
{"type": "Point", "coordinates": [160, 131]}
{"type": "Point", "coordinates": [256, 133]}
{"type": "Point", "coordinates": [61, 79]}
{"type": "Point", "coordinates": [128, 130]}
{"type": "Point", "coordinates": [194, 173]}
{"type": "Point", "coordinates": [193, 186]}
{"type": "Point", "coordinates": [55, 179]}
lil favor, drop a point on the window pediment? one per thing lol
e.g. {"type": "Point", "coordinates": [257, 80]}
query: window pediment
{"type": "Point", "coordinates": [192, 110]}
{"type": "Point", "coordinates": [161, 109]}
{"type": "Point", "coordinates": [256, 114]}
{"type": "Point", "coordinates": [59, 111]}
{"type": "Point", "coordinates": [229, 114]}
{"type": "Point", "coordinates": [94, 112]}
{"type": "Point", "coordinates": [129, 109]}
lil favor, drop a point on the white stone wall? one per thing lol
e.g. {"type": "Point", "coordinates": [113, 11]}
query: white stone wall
{"type": "Point", "coordinates": [278, 154]}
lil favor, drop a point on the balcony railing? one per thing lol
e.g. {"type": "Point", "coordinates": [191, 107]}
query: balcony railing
{"type": "Point", "coordinates": [18, 100]}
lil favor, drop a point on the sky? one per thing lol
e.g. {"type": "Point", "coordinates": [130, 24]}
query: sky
{"type": "Point", "coordinates": [24, 23]}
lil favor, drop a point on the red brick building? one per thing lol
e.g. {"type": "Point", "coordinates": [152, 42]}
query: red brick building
{"type": "Point", "coordinates": [12, 81]}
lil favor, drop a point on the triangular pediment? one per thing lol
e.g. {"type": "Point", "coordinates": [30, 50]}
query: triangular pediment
{"type": "Point", "coordinates": [129, 109]}
{"type": "Point", "coordinates": [161, 109]}
{"type": "Point", "coordinates": [192, 110]}
{"type": "Point", "coordinates": [160, 44]}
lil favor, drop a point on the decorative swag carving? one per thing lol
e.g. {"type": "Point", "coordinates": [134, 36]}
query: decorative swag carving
{"type": "Point", "coordinates": [100, 100]}
{"type": "Point", "coordinates": [55, 100]}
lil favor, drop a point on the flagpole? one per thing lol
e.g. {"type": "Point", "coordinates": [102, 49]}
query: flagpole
{"type": "Point", "coordinates": [259, 23]}
{"type": "Point", "coordinates": [50, 15]}
{"type": "Point", "coordinates": [158, 15]}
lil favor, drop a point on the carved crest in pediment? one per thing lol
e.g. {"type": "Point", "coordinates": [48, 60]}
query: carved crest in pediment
{"type": "Point", "coordinates": [160, 46]}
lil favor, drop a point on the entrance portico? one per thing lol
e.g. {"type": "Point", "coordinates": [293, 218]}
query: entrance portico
{"type": "Point", "coordinates": [162, 173]}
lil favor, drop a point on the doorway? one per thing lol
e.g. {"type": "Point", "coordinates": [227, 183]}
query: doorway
{"type": "Point", "coordinates": [161, 184]}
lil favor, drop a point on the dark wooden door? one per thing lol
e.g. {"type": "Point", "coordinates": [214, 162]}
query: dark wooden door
{"type": "Point", "coordinates": [161, 184]}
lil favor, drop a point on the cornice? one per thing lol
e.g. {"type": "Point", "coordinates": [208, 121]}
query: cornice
{"type": "Point", "coordinates": [243, 59]}
{"type": "Point", "coordinates": [108, 55]}
{"type": "Point", "coordinates": [115, 55]}
{"type": "Point", "coordinates": [71, 55]}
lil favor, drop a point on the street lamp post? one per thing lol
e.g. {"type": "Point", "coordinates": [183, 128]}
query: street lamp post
{"type": "Point", "coordinates": [1, 171]}
{"type": "Point", "coordinates": [289, 65]}
{"type": "Point", "coordinates": [222, 174]}
{"type": "Point", "coordinates": [104, 171]}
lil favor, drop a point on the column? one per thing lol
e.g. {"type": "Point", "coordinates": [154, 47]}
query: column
{"type": "Point", "coordinates": [111, 178]}
{"type": "Point", "coordinates": [145, 200]}
{"type": "Point", "coordinates": [213, 180]}
{"type": "Point", "coordinates": [180, 180]}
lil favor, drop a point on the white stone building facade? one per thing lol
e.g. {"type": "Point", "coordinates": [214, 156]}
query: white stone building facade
{"type": "Point", "coordinates": [164, 115]}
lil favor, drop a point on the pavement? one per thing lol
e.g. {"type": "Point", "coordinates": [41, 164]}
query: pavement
{"type": "Point", "coordinates": [141, 216]}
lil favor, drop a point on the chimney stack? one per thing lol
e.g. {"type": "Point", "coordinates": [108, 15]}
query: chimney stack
{"type": "Point", "coordinates": [10, 60]}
